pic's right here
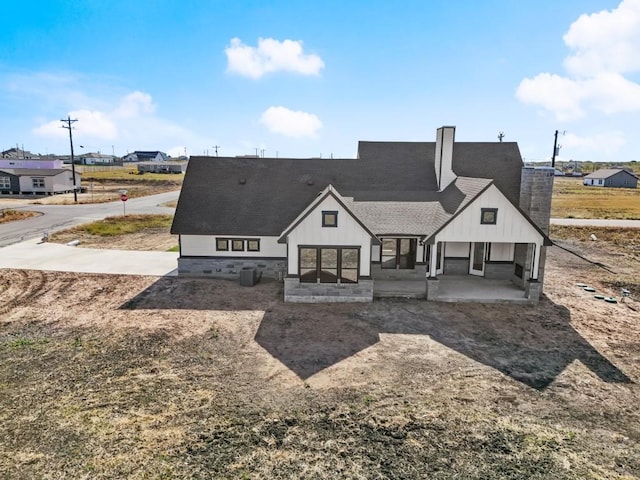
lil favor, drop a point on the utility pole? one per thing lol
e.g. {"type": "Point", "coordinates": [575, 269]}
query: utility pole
{"type": "Point", "coordinates": [555, 150]}
{"type": "Point", "coordinates": [216, 147]}
{"type": "Point", "coordinates": [68, 122]}
{"type": "Point", "coordinates": [500, 136]}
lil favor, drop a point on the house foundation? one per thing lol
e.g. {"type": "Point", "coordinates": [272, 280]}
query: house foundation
{"type": "Point", "coordinates": [296, 291]}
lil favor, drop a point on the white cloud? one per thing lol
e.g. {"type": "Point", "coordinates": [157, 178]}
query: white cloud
{"type": "Point", "coordinates": [605, 45]}
{"type": "Point", "coordinates": [608, 143]}
{"type": "Point", "coordinates": [606, 41]}
{"type": "Point", "coordinates": [92, 124]}
{"type": "Point", "coordinates": [135, 104]}
{"type": "Point", "coordinates": [569, 99]}
{"type": "Point", "coordinates": [290, 123]}
{"type": "Point", "coordinates": [271, 56]}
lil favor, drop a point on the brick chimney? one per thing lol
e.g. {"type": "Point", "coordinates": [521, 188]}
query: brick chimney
{"type": "Point", "coordinates": [445, 137]}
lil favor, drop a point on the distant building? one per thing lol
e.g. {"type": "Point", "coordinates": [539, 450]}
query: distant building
{"type": "Point", "coordinates": [146, 156]}
{"type": "Point", "coordinates": [95, 159]}
{"type": "Point", "coordinates": [37, 181]}
{"type": "Point", "coordinates": [162, 167]}
{"type": "Point", "coordinates": [612, 177]}
{"type": "Point", "coordinates": [17, 153]}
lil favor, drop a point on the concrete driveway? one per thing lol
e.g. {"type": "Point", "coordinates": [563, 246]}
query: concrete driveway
{"type": "Point", "coordinates": [34, 255]}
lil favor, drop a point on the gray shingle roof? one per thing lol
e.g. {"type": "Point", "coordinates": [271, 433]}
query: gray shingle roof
{"type": "Point", "coordinates": [262, 196]}
{"type": "Point", "coordinates": [608, 172]}
{"type": "Point", "coordinates": [36, 172]}
{"type": "Point", "coordinates": [424, 218]}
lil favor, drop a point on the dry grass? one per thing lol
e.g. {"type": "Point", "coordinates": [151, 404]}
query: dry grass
{"type": "Point", "coordinates": [9, 215]}
{"type": "Point", "coordinates": [572, 199]}
{"type": "Point", "coordinates": [616, 249]}
{"type": "Point", "coordinates": [130, 232]}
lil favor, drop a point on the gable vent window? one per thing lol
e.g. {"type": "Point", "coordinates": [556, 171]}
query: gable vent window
{"type": "Point", "coordinates": [489, 216]}
{"type": "Point", "coordinates": [329, 218]}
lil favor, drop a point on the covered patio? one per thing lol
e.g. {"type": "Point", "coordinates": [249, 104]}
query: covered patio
{"type": "Point", "coordinates": [454, 288]}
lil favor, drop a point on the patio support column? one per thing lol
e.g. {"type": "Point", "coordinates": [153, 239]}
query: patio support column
{"type": "Point", "coordinates": [536, 261]}
{"type": "Point", "coordinates": [433, 260]}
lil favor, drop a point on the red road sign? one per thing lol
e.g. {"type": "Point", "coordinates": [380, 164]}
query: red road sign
{"type": "Point", "coordinates": [124, 197]}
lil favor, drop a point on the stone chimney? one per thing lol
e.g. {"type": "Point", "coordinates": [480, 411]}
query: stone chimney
{"type": "Point", "coordinates": [445, 137]}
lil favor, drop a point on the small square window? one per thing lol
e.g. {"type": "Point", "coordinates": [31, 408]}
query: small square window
{"type": "Point", "coordinates": [253, 245]}
{"type": "Point", "coordinates": [329, 219]}
{"type": "Point", "coordinates": [222, 244]}
{"type": "Point", "coordinates": [237, 245]}
{"type": "Point", "coordinates": [489, 216]}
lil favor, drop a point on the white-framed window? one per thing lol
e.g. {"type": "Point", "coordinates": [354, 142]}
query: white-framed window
{"type": "Point", "coordinates": [37, 182]}
{"type": "Point", "coordinates": [5, 182]}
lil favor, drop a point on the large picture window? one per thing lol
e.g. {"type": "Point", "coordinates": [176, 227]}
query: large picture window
{"type": "Point", "coordinates": [5, 182]}
{"type": "Point", "coordinates": [329, 264]}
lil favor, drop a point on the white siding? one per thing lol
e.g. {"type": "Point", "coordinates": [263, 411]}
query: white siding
{"type": "Point", "coordinates": [205, 246]}
{"type": "Point", "coordinates": [501, 252]}
{"type": "Point", "coordinates": [457, 249]}
{"type": "Point", "coordinates": [348, 233]}
{"type": "Point", "coordinates": [64, 181]}
{"type": "Point", "coordinates": [510, 227]}
{"type": "Point", "coordinates": [375, 253]}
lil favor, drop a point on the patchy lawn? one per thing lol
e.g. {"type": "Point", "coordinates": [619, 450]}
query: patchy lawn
{"type": "Point", "coordinates": [123, 232]}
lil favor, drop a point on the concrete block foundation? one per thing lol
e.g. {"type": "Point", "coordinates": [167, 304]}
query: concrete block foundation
{"type": "Point", "coordinates": [298, 292]}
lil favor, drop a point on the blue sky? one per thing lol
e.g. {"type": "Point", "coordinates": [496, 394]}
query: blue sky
{"type": "Point", "coordinates": [304, 78]}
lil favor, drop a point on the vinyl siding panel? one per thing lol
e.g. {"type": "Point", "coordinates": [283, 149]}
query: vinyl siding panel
{"type": "Point", "coordinates": [348, 233]}
{"type": "Point", "coordinates": [511, 226]}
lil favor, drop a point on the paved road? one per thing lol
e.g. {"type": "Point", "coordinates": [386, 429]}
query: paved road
{"type": "Point", "coordinates": [57, 217]}
{"type": "Point", "coordinates": [595, 222]}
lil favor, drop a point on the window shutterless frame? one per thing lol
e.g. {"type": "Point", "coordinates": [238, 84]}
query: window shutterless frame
{"type": "Point", "coordinates": [329, 218]}
{"type": "Point", "coordinates": [328, 264]}
{"type": "Point", "coordinates": [489, 216]}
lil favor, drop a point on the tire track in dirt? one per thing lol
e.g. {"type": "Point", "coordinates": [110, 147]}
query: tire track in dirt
{"type": "Point", "coordinates": [21, 288]}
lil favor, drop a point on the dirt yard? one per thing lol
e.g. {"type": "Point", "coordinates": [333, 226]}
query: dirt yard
{"type": "Point", "coordinates": [140, 377]}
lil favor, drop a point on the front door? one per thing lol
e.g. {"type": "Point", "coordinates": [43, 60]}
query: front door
{"type": "Point", "coordinates": [476, 265]}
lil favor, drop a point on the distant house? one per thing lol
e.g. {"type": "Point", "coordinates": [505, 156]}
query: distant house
{"type": "Point", "coordinates": [612, 177]}
{"type": "Point", "coordinates": [37, 181]}
{"type": "Point", "coordinates": [95, 159]}
{"type": "Point", "coordinates": [400, 211]}
{"type": "Point", "coordinates": [162, 167]}
{"type": "Point", "coordinates": [146, 156]}
{"type": "Point", "coordinates": [17, 153]}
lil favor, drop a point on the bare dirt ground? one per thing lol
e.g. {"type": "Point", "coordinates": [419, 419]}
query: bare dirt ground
{"type": "Point", "coordinates": [151, 239]}
{"type": "Point", "coordinates": [142, 377]}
